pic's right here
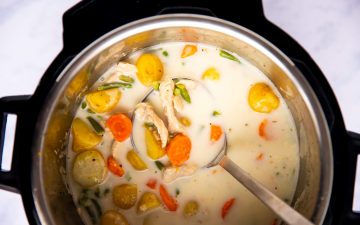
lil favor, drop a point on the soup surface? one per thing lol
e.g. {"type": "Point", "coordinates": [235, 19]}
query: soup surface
{"type": "Point", "coordinates": [144, 134]}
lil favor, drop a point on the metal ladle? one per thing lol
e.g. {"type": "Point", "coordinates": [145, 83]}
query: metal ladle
{"type": "Point", "coordinates": [277, 205]}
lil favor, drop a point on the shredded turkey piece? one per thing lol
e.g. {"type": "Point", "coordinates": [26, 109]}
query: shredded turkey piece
{"type": "Point", "coordinates": [166, 90]}
{"type": "Point", "coordinates": [172, 173]}
{"type": "Point", "coordinates": [122, 68]}
{"type": "Point", "coordinates": [146, 113]}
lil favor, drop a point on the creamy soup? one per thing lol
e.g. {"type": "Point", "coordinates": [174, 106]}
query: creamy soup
{"type": "Point", "coordinates": [144, 134]}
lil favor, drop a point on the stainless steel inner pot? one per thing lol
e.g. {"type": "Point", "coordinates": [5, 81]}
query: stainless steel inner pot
{"type": "Point", "coordinates": [54, 204]}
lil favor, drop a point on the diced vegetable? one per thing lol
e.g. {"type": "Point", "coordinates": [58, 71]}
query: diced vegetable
{"type": "Point", "coordinates": [153, 146]}
{"type": "Point", "coordinates": [165, 53]}
{"type": "Point", "coordinates": [89, 168]}
{"type": "Point", "coordinates": [169, 201]}
{"type": "Point", "coordinates": [262, 129]}
{"type": "Point", "coordinates": [83, 105]}
{"type": "Point", "coordinates": [115, 167]}
{"type": "Point", "coordinates": [185, 121]}
{"type": "Point", "coordinates": [147, 202]}
{"type": "Point", "coordinates": [180, 88]}
{"type": "Point", "coordinates": [262, 98]}
{"type": "Point", "coordinates": [191, 208]}
{"type": "Point", "coordinates": [227, 55]}
{"type": "Point", "coordinates": [156, 85]}
{"type": "Point", "coordinates": [103, 101]}
{"type": "Point", "coordinates": [211, 74]}
{"type": "Point", "coordinates": [83, 136]}
{"type": "Point", "coordinates": [188, 50]}
{"type": "Point", "coordinates": [125, 195]}
{"type": "Point", "coordinates": [216, 113]}
{"type": "Point", "coordinates": [112, 217]}
{"type": "Point", "coordinates": [260, 156]}
{"type": "Point", "coordinates": [97, 127]}
{"type": "Point", "coordinates": [114, 85]}
{"type": "Point", "coordinates": [150, 69]}
{"type": "Point", "coordinates": [151, 183]}
{"type": "Point", "coordinates": [178, 149]}
{"type": "Point", "coordinates": [215, 132]}
{"type": "Point", "coordinates": [159, 165]}
{"type": "Point", "coordinates": [127, 79]}
{"type": "Point", "coordinates": [226, 207]}
{"type": "Point", "coordinates": [120, 126]}
{"type": "Point", "coordinates": [135, 160]}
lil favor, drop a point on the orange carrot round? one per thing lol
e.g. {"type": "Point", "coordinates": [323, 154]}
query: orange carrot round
{"type": "Point", "coordinates": [151, 183]}
{"type": "Point", "coordinates": [215, 133]}
{"type": "Point", "coordinates": [169, 201]}
{"type": "Point", "coordinates": [120, 126]}
{"type": "Point", "coordinates": [226, 207]}
{"type": "Point", "coordinates": [115, 167]}
{"type": "Point", "coordinates": [178, 149]}
{"type": "Point", "coordinates": [188, 50]}
{"type": "Point", "coordinates": [262, 129]}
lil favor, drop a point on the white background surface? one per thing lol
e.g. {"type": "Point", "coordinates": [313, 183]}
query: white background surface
{"type": "Point", "coordinates": [30, 38]}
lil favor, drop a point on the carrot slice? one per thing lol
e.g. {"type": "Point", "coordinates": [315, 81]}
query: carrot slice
{"type": "Point", "coordinates": [151, 183]}
{"type": "Point", "coordinates": [188, 50]}
{"type": "Point", "coordinates": [260, 156]}
{"type": "Point", "coordinates": [178, 149]}
{"type": "Point", "coordinates": [262, 129]}
{"type": "Point", "coordinates": [120, 126]}
{"type": "Point", "coordinates": [115, 167]}
{"type": "Point", "coordinates": [215, 133]}
{"type": "Point", "coordinates": [226, 207]}
{"type": "Point", "coordinates": [169, 201]}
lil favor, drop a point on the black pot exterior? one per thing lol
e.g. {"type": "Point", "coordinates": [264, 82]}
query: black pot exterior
{"type": "Point", "coordinates": [81, 28]}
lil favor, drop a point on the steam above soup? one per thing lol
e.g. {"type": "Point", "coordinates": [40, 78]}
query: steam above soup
{"type": "Point", "coordinates": [144, 133]}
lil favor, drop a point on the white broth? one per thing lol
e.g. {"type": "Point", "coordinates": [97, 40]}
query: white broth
{"type": "Point", "coordinates": [261, 139]}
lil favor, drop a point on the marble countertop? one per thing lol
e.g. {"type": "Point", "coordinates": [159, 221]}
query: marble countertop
{"type": "Point", "coordinates": [30, 38]}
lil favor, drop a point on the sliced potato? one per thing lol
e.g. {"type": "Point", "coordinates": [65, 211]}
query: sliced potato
{"type": "Point", "coordinates": [211, 74]}
{"type": "Point", "coordinates": [125, 195]}
{"type": "Point", "coordinates": [153, 146]}
{"type": "Point", "coordinates": [191, 208]}
{"type": "Point", "coordinates": [147, 202]}
{"type": "Point", "coordinates": [112, 217]}
{"type": "Point", "coordinates": [89, 168]}
{"type": "Point", "coordinates": [262, 98]}
{"type": "Point", "coordinates": [103, 101]}
{"type": "Point", "coordinates": [84, 137]}
{"type": "Point", "coordinates": [150, 69]}
{"type": "Point", "coordinates": [135, 160]}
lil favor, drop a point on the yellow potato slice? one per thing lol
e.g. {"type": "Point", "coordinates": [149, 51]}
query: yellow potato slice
{"type": "Point", "coordinates": [112, 217]}
{"type": "Point", "coordinates": [125, 195]}
{"type": "Point", "coordinates": [89, 168]}
{"type": "Point", "coordinates": [103, 101]}
{"type": "Point", "coordinates": [135, 160]}
{"type": "Point", "coordinates": [153, 146]}
{"type": "Point", "coordinates": [147, 202]}
{"type": "Point", "coordinates": [262, 98]}
{"type": "Point", "coordinates": [211, 74]}
{"type": "Point", "coordinates": [150, 69]}
{"type": "Point", "coordinates": [84, 137]}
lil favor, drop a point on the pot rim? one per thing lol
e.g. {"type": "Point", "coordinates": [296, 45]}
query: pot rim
{"type": "Point", "coordinates": [196, 21]}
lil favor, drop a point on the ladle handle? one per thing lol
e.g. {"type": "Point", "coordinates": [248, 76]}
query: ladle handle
{"type": "Point", "coordinates": [283, 210]}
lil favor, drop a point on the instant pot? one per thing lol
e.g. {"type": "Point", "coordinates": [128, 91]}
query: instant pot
{"type": "Point", "coordinates": [98, 34]}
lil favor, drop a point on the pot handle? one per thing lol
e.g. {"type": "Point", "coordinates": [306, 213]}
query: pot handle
{"type": "Point", "coordinates": [10, 105]}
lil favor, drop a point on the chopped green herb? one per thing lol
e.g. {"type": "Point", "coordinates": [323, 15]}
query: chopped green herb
{"type": "Point", "coordinates": [83, 105]}
{"type": "Point", "coordinates": [128, 177]}
{"type": "Point", "coordinates": [97, 192]}
{"type": "Point", "coordinates": [183, 92]}
{"type": "Point", "coordinates": [159, 165]}
{"type": "Point", "coordinates": [97, 127]}
{"type": "Point", "coordinates": [176, 80]}
{"type": "Point", "coordinates": [156, 85]}
{"type": "Point", "coordinates": [216, 113]}
{"type": "Point", "coordinates": [114, 85]}
{"type": "Point", "coordinates": [149, 125]}
{"type": "Point", "coordinates": [227, 55]}
{"type": "Point", "coordinates": [106, 191]}
{"type": "Point", "coordinates": [165, 53]}
{"type": "Point", "coordinates": [127, 79]}
{"type": "Point", "coordinates": [177, 192]}
{"type": "Point", "coordinates": [97, 207]}
{"type": "Point", "coordinates": [90, 111]}
{"type": "Point", "coordinates": [99, 117]}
